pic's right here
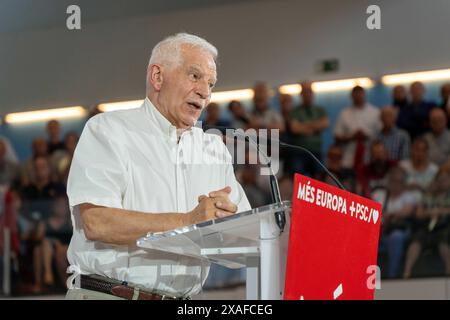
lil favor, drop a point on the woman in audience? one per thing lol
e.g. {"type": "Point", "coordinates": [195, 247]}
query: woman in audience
{"type": "Point", "coordinates": [432, 224]}
{"type": "Point", "coordinates": [399, 207]}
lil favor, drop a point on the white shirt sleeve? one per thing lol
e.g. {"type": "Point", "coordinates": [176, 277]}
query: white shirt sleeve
{"type": "Point", "coordinates": [339, 128]}
{"type": "Point", "coordinates": [97, 173]}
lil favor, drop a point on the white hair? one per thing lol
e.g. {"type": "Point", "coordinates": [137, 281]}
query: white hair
{"type": "Point", "coordinates": [167, 51]}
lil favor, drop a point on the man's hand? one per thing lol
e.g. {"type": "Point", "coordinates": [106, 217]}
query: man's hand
{"type": "Point", "coordinates": [223, 202]}
{"type": "Point", "coordinates": [216, 205]}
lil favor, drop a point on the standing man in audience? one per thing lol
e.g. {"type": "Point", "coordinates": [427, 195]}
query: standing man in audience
{"type": "Point", "coordinates": [54, 137]}
{"type": "Point", "coordinates": [399, 97]}
{"type": "Point", "coordinates": [263, 116]}
{"type": "Point", "coordinates": [355, 126]}
{"type": "Point", "coordinates": [414, 118]}
{"type": "Point", "coordinates": [396, 141]}
{"type": "Point", "coordinates": [445, 96]}
{"type": "Point", "coordinates": [308, 121]}
{"type": "Point", "coordinates": [439, 137]}
{"type": "Point", "coordinates": [149, 170]}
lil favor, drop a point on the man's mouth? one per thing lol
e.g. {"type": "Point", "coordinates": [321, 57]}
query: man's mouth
{"type": "Point", "coordinates": [196, 105]}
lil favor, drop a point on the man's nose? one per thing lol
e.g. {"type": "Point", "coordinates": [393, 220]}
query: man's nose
{"type": "Point", "coordinates": [203, 90]}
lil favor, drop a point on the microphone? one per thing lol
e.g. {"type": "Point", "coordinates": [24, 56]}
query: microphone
{"type": "Point", "coordinates": [280, 217]}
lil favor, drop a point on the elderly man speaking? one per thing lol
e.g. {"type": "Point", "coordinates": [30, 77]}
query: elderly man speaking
{"type": "Point", "coordinates": [149, 170]}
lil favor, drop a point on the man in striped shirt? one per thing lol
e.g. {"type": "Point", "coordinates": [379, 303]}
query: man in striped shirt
{"type": "Point", "coordinates": [396, 140]}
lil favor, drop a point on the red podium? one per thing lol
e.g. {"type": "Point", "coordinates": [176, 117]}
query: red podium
{"type": "Point", "coordinates": [333, 243]}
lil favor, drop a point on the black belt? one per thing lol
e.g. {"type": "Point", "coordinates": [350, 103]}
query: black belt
{"type": "Point", "coordinates": [120, 289]}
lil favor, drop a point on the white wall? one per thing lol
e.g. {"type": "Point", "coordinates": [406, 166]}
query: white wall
{"type": "Point", "coordinates": [278, 41]}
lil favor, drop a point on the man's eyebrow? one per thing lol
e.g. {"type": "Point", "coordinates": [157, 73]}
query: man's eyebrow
{"type": "Point", "coordinates": [199, 69]}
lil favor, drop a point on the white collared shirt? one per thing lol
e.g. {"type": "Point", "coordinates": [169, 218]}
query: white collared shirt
{"type": "Point", "coordinates": [352, 119]}
{"type": "Point", "coordinates": [131, 160]}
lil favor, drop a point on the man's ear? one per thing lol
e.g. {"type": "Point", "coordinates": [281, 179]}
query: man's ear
{"type": "Point", "coordinates": [154, 76]}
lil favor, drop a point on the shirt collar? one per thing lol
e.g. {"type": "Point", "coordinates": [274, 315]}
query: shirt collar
{"type": "Point", "coordinates": [168, 130]}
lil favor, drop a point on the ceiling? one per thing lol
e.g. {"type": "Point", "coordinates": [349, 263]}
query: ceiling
{"type": "Point", "coordinates": [29, 15]}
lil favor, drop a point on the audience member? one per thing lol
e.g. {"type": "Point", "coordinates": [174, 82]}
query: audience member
{"type": "Point", "coordinates": [308, 121]}
{"type": "Point", "coordinates": [10, 152]}
{"type": "Point", "coordinates": [445, 94]}
{"type": "Point", "coordinates": [374, 174]}
{"type": "Point", "coordinates": [439, 138]}
{"type": "Point", "coordinates": [53, 131]}
{"type": "Point", "coordinates": [213, 118]}
{"type": "Point", "coordinates": [239, 117]}
{"type": "Point", "coordinates": [263, 117]}
{"type": "Point", "coordinates": [355, 126]}
{"type": "Point", "coordinates": [396, 141]}
{"type": "Point", "coordinates": [39, 194]}
{"type": "Point", "coordinates": [399, 97]}
{"type": "Point", "coordinates": [398, 208]}
{"type": "Point", "coordinates": [39, 149]}
{"type": "Point", "coordinates": [432, 225]}
{"type": "Point", "coordinates": [58, 232]}
{"type": "Point", "coordinates": [414, 117]}
{"type": "Point", "coordinates": [345, 175]}
{"type": "Point", "coordinates": [419, 169]}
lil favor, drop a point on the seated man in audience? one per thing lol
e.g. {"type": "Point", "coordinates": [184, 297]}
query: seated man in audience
{"type": "Point", "coordinates": [58, 232]}
{"type": "Point", "coordinates": [374, 174]}
{"type": "Point", "coordinates": [432, 226]}
{"type": "Point", "coordinates": [333, 162]}
{"type": "Point", "coordinates": [239, 116]}
{"type": "Point", "coordinates": [399, 97]}
{"type": "Point", "coordinates": [355, 126]}
{"type": "Point", "coordinates": [398, 209]}
{"type": "Point", "coordinates": [213, 118]}
{"type": "Point", "coordinates": [396, 141]}
{"type": "Point", "coordinates": [37, 199]}
{"type": "Point", "coordinates": [39, 194]}
{"type": "Point", "coordinates": [439, 137]}
{"type": "Point", "coordinates": [414, 117]}
{"type": "Point", "coordinates": [419, 169]}
{"type": "Point", "coordinates": [307, 125]}
{"type": "Point", "coordinates": [39, 148]}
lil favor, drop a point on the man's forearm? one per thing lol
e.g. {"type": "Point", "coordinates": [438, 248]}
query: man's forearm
{"type": "Point", "coordinates": [124, 227]}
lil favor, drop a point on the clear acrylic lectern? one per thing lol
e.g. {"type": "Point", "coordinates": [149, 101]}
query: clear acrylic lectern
{"type": "Point", "coordinates": [248, 239]}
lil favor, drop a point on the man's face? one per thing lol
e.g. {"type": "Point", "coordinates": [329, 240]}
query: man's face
{"type": "Point", "coordinates": [40, 147]}
{"type": "Point", "coordinates": [213, 112]}
{"type": "Point", "coordinates": [378, 152]}
{"type": "Point", "coordinates": [359, 97]}
{"type": "Point", "coordinates": [261, 97]}
{"type": "Point", "coordinates": [307, 94]}
{"type": "Point", "coordinates": [399, 93]}
{"type": "Point", "coordinates": [438, 121]}
{"type": "Point", "coordinates": [42, 169]}
{"type": "Point", "coordinates": [186, 88]}
{"type": "Point", "coordinates": [388, 117]}
{"type": "Point", "coordinates": [53, 128]}
{"type": "Point", "coordinates": [445, 92]}
{"type": "Point", "coordinates": [286, 103]}
{"type": "Point", "coordinates": [417, 91]}
{"type": "Point", "coordinates": [419, 151]}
